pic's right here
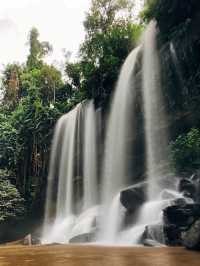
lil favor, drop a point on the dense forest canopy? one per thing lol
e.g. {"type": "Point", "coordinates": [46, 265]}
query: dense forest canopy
{"type": "Point", "coordinates": [35, 94]}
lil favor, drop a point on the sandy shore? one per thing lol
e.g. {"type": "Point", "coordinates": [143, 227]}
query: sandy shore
{"type": "Point", "coordinates": [76, 255]}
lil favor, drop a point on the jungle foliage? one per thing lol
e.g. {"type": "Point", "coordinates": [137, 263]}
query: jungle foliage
{"type": "Point", "coordinates": [185, 153]}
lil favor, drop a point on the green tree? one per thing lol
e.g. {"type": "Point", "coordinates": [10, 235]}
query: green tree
{"type": "Point", "coordinates": [104, 13]}
{"type": "Point", "coordinates": [8, 136]}
{"type": "Point", "coordinates": [46, 78]}
{"type": "Point", "coordinates": [109, 38]}
{"type": "Point", "coordinates": [37, 50]}
{"type": "Point", "coordinates": [11, 84]}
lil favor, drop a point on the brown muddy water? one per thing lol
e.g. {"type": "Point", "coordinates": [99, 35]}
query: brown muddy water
{"type": "Point", "coordinates": [70, 255]}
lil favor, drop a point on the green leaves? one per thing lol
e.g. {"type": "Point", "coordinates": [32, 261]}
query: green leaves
{"type": "Point", "coordinates": [109, 39]}
{"type": "Point", "coordinates": [11, 203]}
{"type": "Point", "coordinates": [7, 143]}
{"type": "Point", "coordinates": [186, 151]}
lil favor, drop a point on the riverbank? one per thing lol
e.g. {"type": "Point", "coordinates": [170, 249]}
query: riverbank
{"type": "Point", "coordinates": [77, 255]}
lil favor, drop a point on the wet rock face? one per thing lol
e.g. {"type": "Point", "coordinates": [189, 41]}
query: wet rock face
{"type": "Point", "coordinates": [172, 235]}
{"type": "Point", "coordinates": [181, 216]}
{"type": "Point", "coordinates": [182, 219]}
{"type": "Point", "coordinates": [196, 181]}
{"type": "Point", "coordinates": [191, 237]}
{"type": "Point", "coordinates": [133, 197]}
{"type": "Point", "coordinates": [180, 225]}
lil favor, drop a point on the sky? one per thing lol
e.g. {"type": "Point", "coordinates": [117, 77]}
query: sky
{"type": "Point", "coordinates": [59, 22]}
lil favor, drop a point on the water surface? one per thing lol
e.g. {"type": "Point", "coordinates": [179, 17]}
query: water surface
{"type": "Point", "coordinates": [70, 255]}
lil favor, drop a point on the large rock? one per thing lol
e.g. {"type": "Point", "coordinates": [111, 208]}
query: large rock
{"type": "Point", "coordinates": [191, 237]}
{"type": "Point", "coordinates": [196, 181]}
{"type": "Point", "coordinates": [172, 235]}
{"type": "Point", "coordinates": [181, 216]}
{"type": "Point", "coordinates": [179, 219]}
{"type": "Point", "coordinates": [133, 197]}
{"type": "Point", "coordinates": [84, 238]}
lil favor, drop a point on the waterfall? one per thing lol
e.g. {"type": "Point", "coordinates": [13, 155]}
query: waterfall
{"type": "Point", "coordinates": [156, 139]}
{"type": "Point", "coordinates": [64, 148]}
{"type": "Point", "coordinates": [65, 204]}
{"type": "Point", "coordinates": [154, 113]}
{"type": "Point", "coordinates": [75, 155]}
{"type": "Point", "coordinates": [65, 167]}
{"type": "Point", "coordinates": [52, 174]}
{"type": "Point", "coordinates": [115, 157]}
{"type": "Point", "coordinates": [90, 158]}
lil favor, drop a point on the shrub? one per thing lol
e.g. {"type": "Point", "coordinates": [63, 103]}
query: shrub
{"type": "Point", "coordinates": [185, 151]}
{"type": "Point", "coordinates": [11, 203]}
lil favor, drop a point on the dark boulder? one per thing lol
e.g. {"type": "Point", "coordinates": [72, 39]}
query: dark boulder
{"type": "Point", "coordinates": [196, 181]}
{"type": "Point", "coordinates": [178, 219]}
{"type": "Point", "coordinates": [172, 235]}
{"type": "Point", "coordinates": [191, 237]}
{"type": "Point", "coordinates": [181, 216]}
{"type": "Point", "coordinates": [133, 197]}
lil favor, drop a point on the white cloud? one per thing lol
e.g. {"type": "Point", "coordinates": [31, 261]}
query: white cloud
{"type": "Point", "coordinates": [58, 21]}
{"type": "Point", "coordinates": [6, 24]}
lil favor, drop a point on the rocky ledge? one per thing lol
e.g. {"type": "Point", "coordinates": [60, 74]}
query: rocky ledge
{"type": "Point", "coordinates": [180, 225]}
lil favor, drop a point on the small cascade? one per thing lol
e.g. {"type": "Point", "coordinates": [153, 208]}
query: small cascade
{"type": "Point", "coordinates": [65, 203]}
{"type": "Point", "coordinates": [90, 158]}
{"type": "Point", "coordinates": [151, 215]}
{"type": "Point", "coordinates": [115, 218]}
{"type": "Point", "coordinates": [176, 64]}
{"type": "Point", "coordinates": [53, 169]}
{"type": "Point", "coordinates": [65, 167]}
{"type": "Point", "coordinates": [63, 147]}
{"type": "Point", "coordinates": [154, 114]}
{"type": "Point", "coordinates": [86, 222]}
{"type": "Point", "coordinates": [115, 158]}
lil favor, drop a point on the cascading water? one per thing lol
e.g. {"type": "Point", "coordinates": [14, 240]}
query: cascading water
{"type": "Point", "coordinates": [156, 138]}
{"type": "Point", "coordinates": [53, 166]}
{"type": "Point", "coordinates": [154, 114]}
{"type": "Point", "coordinates": [115, 173]}
{"type": "Point", "coordinates": [65, 185]}
{"type": "Point", "coordinates": [85, 221]}
{"type": "Point", "coordinates": [64, 202]}
{"type": "Point", "coordinates": [90, 158]}
{"type": "Point", "coordinates": [64, 166]}
{"type": "Point", "coordinates": [115, 160]}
